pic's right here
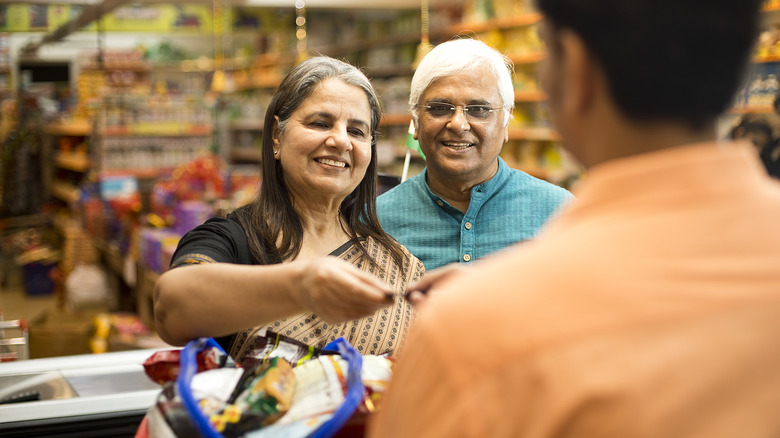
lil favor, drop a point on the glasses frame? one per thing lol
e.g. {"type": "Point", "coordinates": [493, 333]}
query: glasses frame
{"type": "Point", "coordinates": [464, 109]}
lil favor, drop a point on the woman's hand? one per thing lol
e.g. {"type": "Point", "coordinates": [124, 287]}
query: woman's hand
{"type": "Point", "coordinates": [337, 291]}
{"type": "Point", "coordinates": [427, 286]}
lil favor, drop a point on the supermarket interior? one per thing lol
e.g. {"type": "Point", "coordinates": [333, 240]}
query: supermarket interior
{"type": "Point", "coordinates": [125, 124]}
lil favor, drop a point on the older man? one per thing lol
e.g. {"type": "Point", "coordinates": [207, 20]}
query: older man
{"type": "Point", "coordinates": [466, 203]}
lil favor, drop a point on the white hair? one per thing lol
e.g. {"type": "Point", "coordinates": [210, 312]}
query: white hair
{"type": "Point", "coordinates": [456, 55]}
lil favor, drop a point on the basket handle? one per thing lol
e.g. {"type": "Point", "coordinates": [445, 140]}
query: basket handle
{"type": "Point", "coordinates": [354, 395]}
{"type": "Point", "coordinates": [188, 367]}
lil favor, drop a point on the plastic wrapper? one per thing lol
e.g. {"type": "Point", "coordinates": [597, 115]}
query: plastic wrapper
{"type": "Point", "coordinates": [163, 366]}
{"type": "Point", "coordinates": [262, 396]}
{"type": "Point", "coordinates": [285, 388]}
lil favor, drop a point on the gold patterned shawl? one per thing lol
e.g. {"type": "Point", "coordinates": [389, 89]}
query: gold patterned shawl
{"type": "Point", "coordinates": [384, 331]}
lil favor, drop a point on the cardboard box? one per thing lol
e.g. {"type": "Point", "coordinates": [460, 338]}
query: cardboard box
{"type": "Point", "coordinates": [60, 333]}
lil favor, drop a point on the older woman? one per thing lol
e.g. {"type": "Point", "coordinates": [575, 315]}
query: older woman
{"type": "Point", "coordinates": [307, 258]}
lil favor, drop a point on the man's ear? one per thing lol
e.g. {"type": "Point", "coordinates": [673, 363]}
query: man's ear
{"type": "Point", "coordinates": [416, 134]}
{"type": "Point", "coordinates": [578, 75]}
{"type": "Point", "coordinates": [506, 126]}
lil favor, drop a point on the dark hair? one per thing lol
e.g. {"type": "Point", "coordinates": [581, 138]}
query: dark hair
{"type": "Point", "coordinates": [665, 59]}
{"type": "Point", "coordinates": [272, 211]}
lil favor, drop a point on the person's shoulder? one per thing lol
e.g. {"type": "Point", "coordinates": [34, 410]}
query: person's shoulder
{"type": "Point", "coordinates": [413, 261]}
{"type": "Point", "coordinates": [227, 222]}
{"type": "Point", "coordinates": [227, 226]}
{"type": "Point", "coordinates": [401, 189]}
{"type": "Point", "coordinates": [408, 192]}
{"type": "Point", "coordinates": [523, 179]}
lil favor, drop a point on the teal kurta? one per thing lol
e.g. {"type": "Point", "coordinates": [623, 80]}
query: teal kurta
{"type": "Point", "coordinates": [510, 207]}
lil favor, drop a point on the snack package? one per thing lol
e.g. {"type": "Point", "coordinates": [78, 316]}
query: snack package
{"type": "Point", "coordinates": [163, 366]}
{"type": "Point", "coordinates": [283, 388]}
{"type": "Point", "coordinates": [262, 395]}
{"type": "Point", "coordinates": [269, 344]}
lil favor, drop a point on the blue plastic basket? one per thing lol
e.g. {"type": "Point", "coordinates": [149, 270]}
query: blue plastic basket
{"type": "Point", "coordinates": [352, 399]}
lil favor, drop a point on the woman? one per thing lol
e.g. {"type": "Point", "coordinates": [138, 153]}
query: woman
{"type": "Point", "coordinates": [328, 269]}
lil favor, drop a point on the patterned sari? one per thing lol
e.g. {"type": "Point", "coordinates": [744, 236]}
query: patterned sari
{"type": "Point", "coordinates": [382, 332]}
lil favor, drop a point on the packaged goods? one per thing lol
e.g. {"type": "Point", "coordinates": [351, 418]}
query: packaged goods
{"type": "Point", "coordinates": [282, 388]}
{"type": "Point", "coordinates": [262, 395]}
{"type": "Point", "coordinates": [163, 366]}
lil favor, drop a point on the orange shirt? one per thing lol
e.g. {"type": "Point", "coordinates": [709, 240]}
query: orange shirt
{"type": "Point", "coordinates": [650, 307]}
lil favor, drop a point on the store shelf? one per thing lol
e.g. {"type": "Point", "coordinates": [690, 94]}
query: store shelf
{"type": "Point", "coordinates": [765, 59]}
{"type": "Point", "coordinates": [258, 81]}
{"type": "Point", "coordinates": [533, 134]}
{"type": "Point", "coordinates": [112, 256]}
{"type": "Point", "coordinates": [65, 191]}
{"type": "Point", "coordinates": [25, 221]}
{"type": "Point", "coordinates": [767, 109]}
{"type": "Point", "coordinates": [771, 7]}
{"type": "Point", "coordinates": [395, 120]}
{"type": "Point", "coordinates": [246, 125]}
{"type": "Point", "coordinates": [139, 67]}
{"type": "Point", "coordinates": [530, 96]}
{"type": "Point", "coordinates": [274, 59]}
{"type": "Point", "coordinates": [389, 71]}
{"type": "Point", "coordinates": [527, 58]}
{"type": "Point", "coordinates": [496, 24]}
{"type": "Point", "coordinates": [176, 129]}
{"type": "Point", "coordinates": [72, 161]}
{"type": "Point", "coordinates": [372, 43]}
{"type": "Point", "coordinates": [143, 173]}
{"type": "Point", "coordinates": [73, 128]}
{"type": "Point", "coordinates": [253, 155]}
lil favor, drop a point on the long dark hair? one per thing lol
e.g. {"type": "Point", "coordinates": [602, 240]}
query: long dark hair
{"type": "Point", "coordinates": [272, 210]}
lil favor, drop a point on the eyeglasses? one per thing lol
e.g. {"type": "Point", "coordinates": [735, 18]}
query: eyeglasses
{"type": "Point", "coordinates": [474, 113]}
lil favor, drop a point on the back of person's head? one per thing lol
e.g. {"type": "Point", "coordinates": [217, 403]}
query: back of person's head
{"type": "Point", "coordinates": [453, 56]}
{"type": "Point", "coordinates": [664, 60]}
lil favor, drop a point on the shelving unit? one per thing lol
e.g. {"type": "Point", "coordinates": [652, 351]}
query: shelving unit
{"type": "Point", "coordinates": [385, 50]}
{"type": "Point", "coordinates": [762, 81]}
{"type": "Point", "coordinates": [67, 144]}
{"type": "Point", "coordinates": [143, 130]}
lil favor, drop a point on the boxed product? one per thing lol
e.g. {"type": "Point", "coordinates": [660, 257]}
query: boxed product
{"type": "Point", "coordinates": [59, 333]}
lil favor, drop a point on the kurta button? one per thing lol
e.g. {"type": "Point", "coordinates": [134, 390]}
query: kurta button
{"type": "Point", "coordinates": [466, 258]}
{"type": "Point", "coordinates": [440, 203]}
{"type": "Point", "coordinates": [467, 225]}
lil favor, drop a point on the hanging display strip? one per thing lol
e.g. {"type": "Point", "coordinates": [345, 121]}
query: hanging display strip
{"type": "Point", "coordinates": [185, 18]}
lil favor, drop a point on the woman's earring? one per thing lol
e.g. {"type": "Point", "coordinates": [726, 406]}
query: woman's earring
{"type": "Point", "coordinates": [276, 152]}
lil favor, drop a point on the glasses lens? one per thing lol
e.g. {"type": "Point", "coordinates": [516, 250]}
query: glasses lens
{"type": "Point", "coordinates": [440, 109]}
{"type": "Point", "coordinates": [479, 112]}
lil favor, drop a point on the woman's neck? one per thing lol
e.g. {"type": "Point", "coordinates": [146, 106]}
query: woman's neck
{"type": "Point", "coordinates": [324, 230]}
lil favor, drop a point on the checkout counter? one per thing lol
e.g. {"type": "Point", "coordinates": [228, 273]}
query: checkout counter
{"type": "Point", "coordinates": [95, 395]}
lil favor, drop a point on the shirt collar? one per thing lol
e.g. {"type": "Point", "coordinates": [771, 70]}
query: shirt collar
{"type": "Point", "coordinates": [489, 186]}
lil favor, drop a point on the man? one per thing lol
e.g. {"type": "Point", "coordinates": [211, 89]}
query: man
{"type": "Point", "coordinates": [467, 202]}
{"type": "Point", "coordinates": [650, 306]}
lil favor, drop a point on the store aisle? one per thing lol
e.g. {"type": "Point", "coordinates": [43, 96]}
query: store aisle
{"type": "Point", "coordinates": [14, 301]}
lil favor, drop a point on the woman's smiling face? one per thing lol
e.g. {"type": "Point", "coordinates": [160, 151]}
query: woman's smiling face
{"type": "Point", "coordinates": [325, 146]}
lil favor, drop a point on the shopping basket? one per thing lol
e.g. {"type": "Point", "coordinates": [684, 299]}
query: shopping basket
{"type": "Point", "coordinates": [353, 396]}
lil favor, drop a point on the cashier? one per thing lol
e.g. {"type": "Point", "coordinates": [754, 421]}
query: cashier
{"type": "Point", "coordinates": [307, 257]}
